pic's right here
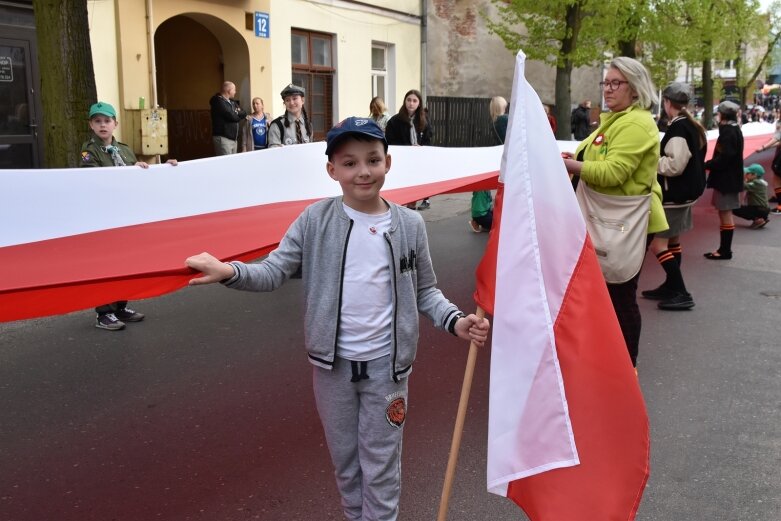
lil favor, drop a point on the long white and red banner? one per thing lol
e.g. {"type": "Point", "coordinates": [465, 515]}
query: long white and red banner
{"type": "Point", "coordinates": [76, 238]}
{"type": "Point", "coordinates": [72, 239]}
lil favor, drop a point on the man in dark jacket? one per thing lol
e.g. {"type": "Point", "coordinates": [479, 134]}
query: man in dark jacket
{"type": "Point", "coordinates": [581, 120]}
{"type": "Point", "coordinates": [226, 114]}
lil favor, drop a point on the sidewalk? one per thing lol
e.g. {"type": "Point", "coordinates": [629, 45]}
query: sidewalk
{"type": "Point", "coordinates": [446, 206]}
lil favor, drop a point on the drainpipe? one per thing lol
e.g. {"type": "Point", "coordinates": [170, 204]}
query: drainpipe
{"type": "Point", "coordinates": [423, 47]}
{"type": "Point", "coordinates": [151, 49]}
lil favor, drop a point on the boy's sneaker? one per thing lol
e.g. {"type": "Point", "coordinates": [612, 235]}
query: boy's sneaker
{"type": "Point", "coordinates": [474, 226]}
{"type": "Point", "coordinates": [679, 302]}
{"type": "Point", "coordinates": [776, 211]}
{"type": "Point", "coordinates": [128, 315]}
{"type": "Point", "coordinates": [109, 321]}
{"type": "Point", "coordinates": [424, 205]}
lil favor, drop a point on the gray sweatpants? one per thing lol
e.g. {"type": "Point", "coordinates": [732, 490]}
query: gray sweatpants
{"type": "Point", "coordinates": [363, 423]}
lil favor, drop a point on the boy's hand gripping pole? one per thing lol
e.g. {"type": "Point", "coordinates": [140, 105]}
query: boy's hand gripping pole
{"type": "Point", "coordinates": [458, 430]}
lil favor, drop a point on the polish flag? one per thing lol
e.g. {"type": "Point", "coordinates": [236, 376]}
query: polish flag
{"type": "Point", "coordinates": [568, 436]}
{"type": "Point", "coordinates": [77, 238]}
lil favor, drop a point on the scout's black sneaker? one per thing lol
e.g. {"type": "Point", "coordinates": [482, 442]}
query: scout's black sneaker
{"type": "Point", "coordinates": [424, 205]}
{"type": "Point", "coordinates": [660, 293]}
{"type": "Point", "coordinates": [679, 302]}
{"type": "Point", "coordinates": [128, 315]}
{"type": "Point", "coordinates": [109, 321]}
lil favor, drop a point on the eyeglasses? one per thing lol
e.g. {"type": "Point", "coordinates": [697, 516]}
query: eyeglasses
{"type": "Point", "coordinates": [612, 84]}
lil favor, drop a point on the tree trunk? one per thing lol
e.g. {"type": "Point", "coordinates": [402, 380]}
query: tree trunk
{"type": "Point", "coordinates": [573, 17]}
{"type": "Point", "coordinates": [630, 15]}
{"type": "Point", "coordinates": [563, 101]}
{"type": "Point", "coordinates": [628, 48]}
{"type": "Point", "coordinates": [750, 82]}
{"type": "Point", "coordinates": [739, 73]}
{"type": "Point", "coordinates": [67, 77]}
{"type": "Point", "coordinates": [707, 93]}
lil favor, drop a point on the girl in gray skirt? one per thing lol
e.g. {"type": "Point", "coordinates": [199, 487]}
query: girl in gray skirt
{"type": "Point", "coordinates": [681, 174]}
{"type": "Point", "coordinates": [726, 176]}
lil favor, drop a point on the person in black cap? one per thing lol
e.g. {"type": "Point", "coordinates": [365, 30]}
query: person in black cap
{"type": "Point", "coordinates": [226, 115]}
{"type": "Point", "coordinates": [681, 174]}
{"type": "Point", "coordinates": [726, 176]}
{"type": "Point", "coordinates": [368, 274]}
{"type": "Point", "coordinates": [293, 127]}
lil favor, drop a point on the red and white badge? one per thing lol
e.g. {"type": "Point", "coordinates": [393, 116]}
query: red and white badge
{"type": "Point", "coordinates": [396, 412]}
{"type": "Point", "coordinates": [599, 140]}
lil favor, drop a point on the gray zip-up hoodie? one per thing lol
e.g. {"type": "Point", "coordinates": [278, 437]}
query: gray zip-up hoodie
{"type": "Point", "coordinates": [317, 243]}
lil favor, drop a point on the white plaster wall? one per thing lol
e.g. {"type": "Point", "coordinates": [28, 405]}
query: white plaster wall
{"type": "Point", "coordinates": [354, 31]}
{"type": "Point", "coordinates": [102, 28]}
{"type": "Point", "coordinates": [465, 60]}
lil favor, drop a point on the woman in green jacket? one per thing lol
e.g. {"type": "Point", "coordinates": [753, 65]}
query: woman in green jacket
{"type": "Point", "coordinates": [620, 158]}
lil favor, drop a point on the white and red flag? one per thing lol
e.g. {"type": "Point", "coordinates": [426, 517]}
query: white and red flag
{"type": "Point", "coordinates": [568, 436]}
{"type": "Point", "coordinates": [76, 238]}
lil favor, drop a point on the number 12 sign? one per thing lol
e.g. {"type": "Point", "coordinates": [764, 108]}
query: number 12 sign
{"type": "Point", "coordinates": [261, 24]}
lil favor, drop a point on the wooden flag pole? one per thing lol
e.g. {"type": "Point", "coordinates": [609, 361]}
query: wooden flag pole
{"type": "Point", "coordinates": [458, 430]}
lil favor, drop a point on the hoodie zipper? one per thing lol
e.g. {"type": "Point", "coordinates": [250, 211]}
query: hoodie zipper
{"type": "Point", "coordinates": [395, 306]}
{"type": "Point", "coordinates": [341, 289]}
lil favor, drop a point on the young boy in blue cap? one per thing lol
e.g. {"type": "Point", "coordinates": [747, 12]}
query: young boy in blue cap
{"type": "Point", "coordinates": [367, 274]}
{"type": "Point", "coordinates": [103, 149]}
{"type": "Point", "coordinates": [756, 208]}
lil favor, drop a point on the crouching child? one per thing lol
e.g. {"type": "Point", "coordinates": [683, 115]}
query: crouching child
{"type": "Point", "coordinates": [756, 208]}
{"type": "Point", "coordinates": [367, 274]}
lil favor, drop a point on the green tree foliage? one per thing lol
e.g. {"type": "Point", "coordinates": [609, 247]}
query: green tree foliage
{"type": "Point", "coordinates": [705, 30]}
{"type": "Point", "coordinates": [630, 20]}
{"type": "Point", "coordinates": [770, 27]}
{"type": "Point", "coordinates": [563, 33]}
{"type": "Point", "coordinates": [659, 33]}
{"type": "Point", "coordinates": [67, 77]}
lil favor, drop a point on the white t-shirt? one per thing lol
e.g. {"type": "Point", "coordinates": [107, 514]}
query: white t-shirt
{"type": "Point", "coordinates": [367, 302]}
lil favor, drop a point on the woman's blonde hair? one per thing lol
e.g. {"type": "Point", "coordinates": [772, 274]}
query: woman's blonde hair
{"type": "Point", "coordinates": [377, 107]}
{"type": "Point", "coordinates": [639, 79]}
{"type": "Point", "coordinates": [497, 107]}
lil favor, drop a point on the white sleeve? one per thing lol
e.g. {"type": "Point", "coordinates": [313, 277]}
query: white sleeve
{"type": "Point", "coordinates": [676, 157]}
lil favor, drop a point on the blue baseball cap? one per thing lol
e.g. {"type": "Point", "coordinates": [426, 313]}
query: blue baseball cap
{"type": "Point", "coordinates": [353, 125]}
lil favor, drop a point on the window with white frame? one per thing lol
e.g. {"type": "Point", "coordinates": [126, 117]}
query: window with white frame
{"type": "Point", "coordinates": [380, 71]}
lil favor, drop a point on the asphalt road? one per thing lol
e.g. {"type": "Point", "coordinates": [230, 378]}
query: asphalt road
{"type": "Point", "coordinates": [204, 411]}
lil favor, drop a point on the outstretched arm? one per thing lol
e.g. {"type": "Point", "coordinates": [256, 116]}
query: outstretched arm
{"type": "Point", "coordinates": [212, 269]}
{"type": "Point", "coordinates": [473, 328]}
{"type": "Point", "coordinates": [773, 142]}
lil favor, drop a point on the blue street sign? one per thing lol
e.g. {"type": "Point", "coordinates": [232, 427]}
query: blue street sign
{"type": "Point", "coordinates": [261, 24]}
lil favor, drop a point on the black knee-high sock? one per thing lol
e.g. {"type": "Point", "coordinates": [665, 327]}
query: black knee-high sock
{"type": "Point", "coordinates": [727, 231]}
{"type": "Point", "coordinates": [677, 252]}
{"type": "Point", "coordinates": [672, 270]}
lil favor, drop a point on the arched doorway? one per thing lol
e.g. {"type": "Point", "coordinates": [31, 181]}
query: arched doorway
{"type": "Point", "coordinates": [194, 54]}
